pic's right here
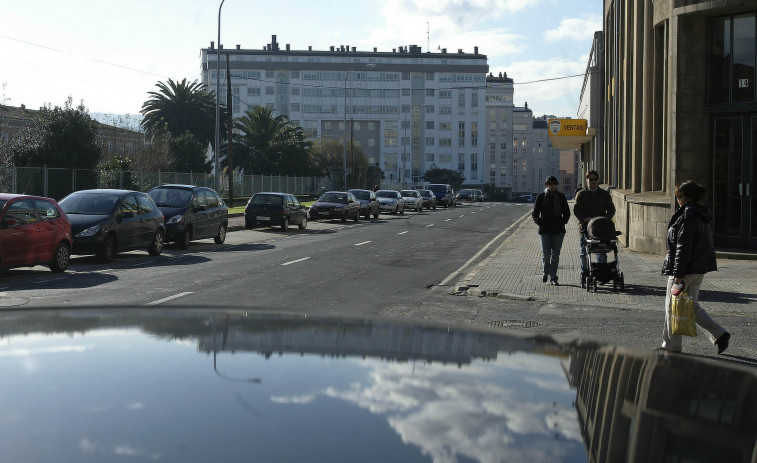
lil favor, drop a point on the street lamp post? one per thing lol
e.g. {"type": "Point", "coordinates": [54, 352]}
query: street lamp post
{"type": "Point", "coordinates": [216, 167]}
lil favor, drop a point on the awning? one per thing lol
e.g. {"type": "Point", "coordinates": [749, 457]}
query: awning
{"type": "Point", "coordinates": [573, 141]}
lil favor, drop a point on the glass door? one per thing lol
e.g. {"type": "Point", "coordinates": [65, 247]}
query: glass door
{"type": "Point", "coordinates": [733, 158]}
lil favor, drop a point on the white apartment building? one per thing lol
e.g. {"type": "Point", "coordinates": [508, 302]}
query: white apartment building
{"type": "Point", "coordinates": [499, 132]}
{"type": "Point", "coordinates": [408, 110]}
{"type": "Point", "coordinates": [534, 157]}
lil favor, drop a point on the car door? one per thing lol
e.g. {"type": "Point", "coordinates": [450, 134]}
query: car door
{"type": "Point", "coordinates": [148, 219]}
{"type": "Point", "coordinates": [200, 206]}
{"type": "Point", "coordinates": [18, 244]}
{"type": "Point", "coordinates": [297, 212]}
{"type": "Point", "coordinates": [213, 213]}
{"type": "Point", "coordinates": [130, 231]}
{"type": "Point", "coordinates": [49, 228]}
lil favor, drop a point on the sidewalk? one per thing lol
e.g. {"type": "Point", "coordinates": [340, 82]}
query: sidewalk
{"type": "Point", "coordinates": [514, 270]}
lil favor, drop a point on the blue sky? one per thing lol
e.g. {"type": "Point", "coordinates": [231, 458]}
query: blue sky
{"type": "Point", "coordinates": [110, 54]}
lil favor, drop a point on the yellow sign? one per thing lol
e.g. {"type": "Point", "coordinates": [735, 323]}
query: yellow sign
{"type": "Point", "coordinates": [567, 127]}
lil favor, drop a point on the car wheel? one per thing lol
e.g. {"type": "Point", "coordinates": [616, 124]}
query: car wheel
{"type": "Point", "coordinates": [61, 258]}
{"type": "Point", "coordinates": [367, 215]}
{"type": "Point", "coordinates": [304, 224]}
{"type": "Point", "coordinates": [285, 224]}
{"type": "Point", "coordinates": [357, 216]}
{"type": "Point", "coordinates": [186, 237]}
{"type": "Point", "coordinates": [419, 208]}
{"type": "Point", "coordinates": [396, 209]}
{"type": "Point", "coordinates": [221, 236]}
{"type": "Point", "coordinates": [403, 210]}
{"type": "Point", "coordinates": [108, 250]}
{"type": "Point", "coordinates": [157, 244]}
{"type": "Point", "coordinates": [344, 217]}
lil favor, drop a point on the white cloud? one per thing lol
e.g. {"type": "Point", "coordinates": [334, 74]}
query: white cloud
{"type": "Point", "coordinates": [87, 446]}
{"type": "Point", "coordinates": [575, 29]}
{"type": "Point", "coordinates": [299, 400]}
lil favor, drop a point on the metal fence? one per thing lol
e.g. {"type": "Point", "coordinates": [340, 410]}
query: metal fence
{"type": "Point", "coordinates": [57, 182]}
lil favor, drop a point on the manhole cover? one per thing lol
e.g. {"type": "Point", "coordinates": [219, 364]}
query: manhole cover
{"type": "Point", "coordinates": [513, 324]}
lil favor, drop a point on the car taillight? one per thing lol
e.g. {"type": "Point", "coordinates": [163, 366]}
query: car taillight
{"type": "Point", "coordinates": [279, 213]}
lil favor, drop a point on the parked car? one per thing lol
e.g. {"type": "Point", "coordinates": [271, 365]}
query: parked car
{"type": "Point", "coordinates": [478, 195]}
{"type": "Point", "coordinates": [429, 200]}
{"type": "Point", "coordinates": [369, 205]}
{"type": "Point", "coordinates": [413, 199]}
{"type": "Point", "coordinates": [335, 205]}
{"type": "Point", "coordinates": [191, 213]}
{"type": "Point", "coordinates": [445, 195]}
{"type": "Point", "coordinates": [33, 230]}
{"type": "Point", "coordinates": [275, 210]}
{"type": "Point", "coordinates": [105, 222]}
{"type": "Point", "coordinates": [465, 195]}
{"type": "Point", "coordinates": [391, 201]}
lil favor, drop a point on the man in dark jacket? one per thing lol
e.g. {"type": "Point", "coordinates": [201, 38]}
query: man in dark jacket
{"type": "Point", "coordinates": [591, 202]}
{"type": "Point", "coordinates": [691, 254]}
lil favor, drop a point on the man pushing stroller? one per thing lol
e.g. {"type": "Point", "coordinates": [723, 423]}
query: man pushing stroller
{"type": "Point", "coordinates": [591, 202]}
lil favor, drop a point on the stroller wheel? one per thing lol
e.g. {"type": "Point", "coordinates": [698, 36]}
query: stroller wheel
{"type": "Point", "coordinates": [596, 286]}
{"type": "Point", "coordinates": [583, 280]}
{"type": "Point", "coordinates": [588, 284]}
{"type": "Point", "coordinates": [615, 284]}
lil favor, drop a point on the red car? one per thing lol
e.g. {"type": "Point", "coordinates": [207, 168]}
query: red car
{"type": "Point", "coordinates": [33, 230]}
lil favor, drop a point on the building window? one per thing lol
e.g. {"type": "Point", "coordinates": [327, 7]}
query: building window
{"type": "Point", "coordinates": [445, 142]}
{"type": "Point", "coordinates": [474, 133]}
{"type": "Point", "coordinates": [429, 141]}
{"type": "Point", "coordinates": [269, 74]}
{"type": "Point", "coordinates": [430, 92]}
{"type": "Point", "coordinates": [461, 161]}
{"type": "Point", "coordinates": [429, 76]}
{"type": "Point", "coordinates": [732, 59]}
{"type": "Point", "coordinates": [461, 133]}
{"type": "Point", "coordinates": [430, 125]}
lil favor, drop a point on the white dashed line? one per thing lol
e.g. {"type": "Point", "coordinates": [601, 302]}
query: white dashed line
{"type": "Point", "coordinates": [295, 261]}
{"type": "Point", "coordinates": [360, 244]}
{"type": "Point", "coordinates": [430, 225]}
{"type": "Point", "coordinates": [166, 299]}
{"type": "Point", "coordinates": [448, 220]}
{"type": "Point", "coordinates": [402, 233]}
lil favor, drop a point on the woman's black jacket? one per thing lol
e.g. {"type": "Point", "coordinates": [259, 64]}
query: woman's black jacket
{"type": "Point", "coordinates": [691, 247]}
{"type": "Point", "coordinates": [544, 215]}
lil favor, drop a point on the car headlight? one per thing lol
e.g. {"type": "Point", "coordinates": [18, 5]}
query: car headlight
{"type": "Point", "coordinates": [175, 219]}
{"type": "Point", "coordinates": [91, 231]}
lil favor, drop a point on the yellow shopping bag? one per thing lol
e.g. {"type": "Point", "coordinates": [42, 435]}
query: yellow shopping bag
{"type": "Point", "coordinates": [682, 319]}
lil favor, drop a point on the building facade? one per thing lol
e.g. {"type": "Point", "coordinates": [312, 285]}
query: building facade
{"type": "Point", "coordinates": [680, 104]}
{"type": "Point", "coordinates": [408, 110]}
{"type": "Point", "coordinates": [499, 133]}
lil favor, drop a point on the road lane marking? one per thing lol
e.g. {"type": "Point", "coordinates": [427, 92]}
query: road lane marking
{"type": "Point", "coordinates": [463, 215]}
{"type": "Point", "coordinates": [166, 299]}
{"type": "Point", "coordinates": [430, 225]}
{"type": "Point", "coordinates": [448, 220]}
{"type": "Point", "coordinates": [295, 261]}
{"type": "Point", "coordinates": [360, 244]}
{"type": "Point", "coordinates": [402, 233]}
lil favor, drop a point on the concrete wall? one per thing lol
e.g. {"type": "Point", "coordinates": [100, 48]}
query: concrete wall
{"type": "Point", "coordinates": [643, 219]}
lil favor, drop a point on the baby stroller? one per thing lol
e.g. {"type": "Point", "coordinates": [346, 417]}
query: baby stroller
{"type": "Point", "coordinates": [601, 240]}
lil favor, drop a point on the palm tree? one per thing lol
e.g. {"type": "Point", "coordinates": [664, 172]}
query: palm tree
{"type": "Point", "coordinates": [269, 145]}
{"type": "Point", "coordinates": [181, 107]}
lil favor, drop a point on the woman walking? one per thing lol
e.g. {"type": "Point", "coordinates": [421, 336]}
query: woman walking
{"type": "Point", "coordinates": [551, 213]}
{"type": "Point", "coordinates": [691, 254]}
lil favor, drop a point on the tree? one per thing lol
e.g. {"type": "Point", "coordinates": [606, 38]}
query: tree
{"type": "Point", "coordinates": [60, 137]}
{"type": "Point", "coordinates": [269, 145]}
{"type": "Point", "coordinates": [436, 175]}
{"type": "Point", "coordinates": [181, 107]}
{"type": "Point", "coordinates": [189, 154]}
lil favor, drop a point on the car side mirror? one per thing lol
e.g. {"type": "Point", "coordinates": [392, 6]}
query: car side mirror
{"type": "Point", "coordinates": [10, 222]}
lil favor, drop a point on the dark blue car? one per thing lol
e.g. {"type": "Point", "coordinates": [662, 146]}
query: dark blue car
{"type": "Point", "coordinates": [192, 213]}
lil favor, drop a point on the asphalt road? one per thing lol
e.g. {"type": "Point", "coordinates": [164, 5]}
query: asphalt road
{"type": "Point", "coordinates": [356, 269]}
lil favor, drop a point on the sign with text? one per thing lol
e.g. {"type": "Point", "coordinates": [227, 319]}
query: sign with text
{"type": "Point", "coordinates": [567, 127]}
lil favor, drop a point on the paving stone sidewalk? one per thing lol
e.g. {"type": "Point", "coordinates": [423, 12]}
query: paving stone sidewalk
{"type": "Point", "coordinates": [514, 270]}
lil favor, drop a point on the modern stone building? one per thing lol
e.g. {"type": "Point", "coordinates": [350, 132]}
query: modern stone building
{"type": "Point", "coordinates": [679, 103]}
{"type": "Point", "coordinates": [409, 110]}
{"type": "Point", "coordinates": [499, 133]}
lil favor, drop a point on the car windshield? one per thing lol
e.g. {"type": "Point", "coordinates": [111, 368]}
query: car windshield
{"type": "Point", "coordinates": [90, 203]}
{"type": "Point", "coordinates": [409, 193]}
{"type": "Point", "coordinates": [267, 200]}
{"type": "Point", "coordinates": [425, 193]}
{"type": "Point", "coordinates": [171, 197]}
{"type": "Point", "coordinates": [438, 188]}
{"type": "Point", "coordinates": [464, 192]}
{"type": "Point", "coordinates": [387, 194]}
{"type": "Point", "coordinates": [362, 195]}
{"type": "Point", "coordinates": [333, 198]}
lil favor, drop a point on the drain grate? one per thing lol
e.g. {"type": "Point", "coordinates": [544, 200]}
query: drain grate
{"type": "Point", "coordinates": [513, 324]}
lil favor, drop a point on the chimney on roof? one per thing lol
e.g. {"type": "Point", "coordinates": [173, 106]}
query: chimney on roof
{"type": "Point", "coordinates": [287, 47]}
{"type": "Point", "coordinates": [220, 47]}
{"type": "Point", "coordinates": [444, 51]}
{"type": "Point", "coordinates": [354, 49]}
{"type": "Point", "coordinates": [239, 46]}
{"type": "Point", "coordinates": [375, 49]}
{"type": "Point", "coordinates": [310, 48]}
{"type": "Point", "coordinates": [23, 106]}
{"type": "Point", "coordinates": [526, 104]}
{"type": "Point", "coordinates": [500, 75]}
{"type": "Point", "coordinates": [475, 50]}
{"type": "Point", "coordinates": [212, 45]}
{"type": "Point", "coordinates": [331, 48]}
{"type": "Point", "coordinates": [274, 45]}
{"type": "Point", "coordinates": [460, 50]}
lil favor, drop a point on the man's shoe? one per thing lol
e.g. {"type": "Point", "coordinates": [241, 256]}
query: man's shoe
{"type": "Point", "coordinates": [544, 278]}
{"type": "Point", "coordinates": [722, 342]}
{"type": "Point", "coordinates": [554, 283]}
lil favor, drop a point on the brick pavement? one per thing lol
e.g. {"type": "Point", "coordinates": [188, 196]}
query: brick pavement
{"type": "Point", "coordinates": [513, 270]}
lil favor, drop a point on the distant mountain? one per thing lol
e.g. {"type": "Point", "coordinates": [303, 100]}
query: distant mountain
{"type": "Point", "coordinates": [124, 121]}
